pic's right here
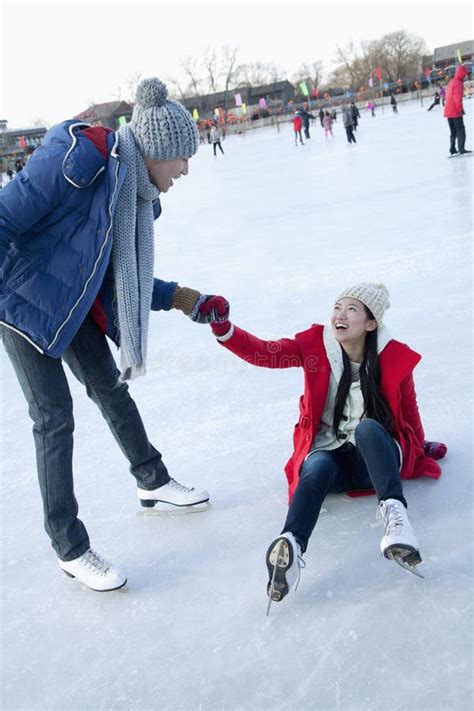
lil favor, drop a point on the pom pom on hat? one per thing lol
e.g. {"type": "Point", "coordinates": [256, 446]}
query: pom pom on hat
{"type": "Point", "coordinates": [163, 128]}
{"type": "Point", "coordinates": [150, 93]}
{"type": "Point", "coordinates": [374, 296]}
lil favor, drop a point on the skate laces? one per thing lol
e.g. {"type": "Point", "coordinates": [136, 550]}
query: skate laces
{"type": "Point", "coordinates": [173, 484]}
{"type": "Point", "coordinates": [301, 564]}
{"type": "Point", "coordinates": [391, 517]}
{"type": "Point", "coordinates": [95, 562]}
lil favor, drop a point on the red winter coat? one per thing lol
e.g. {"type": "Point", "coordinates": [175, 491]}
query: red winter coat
{"type": "Point", "coordinates": [307, 350]}
{"type": "Point", "coordinates": [454, 92]}
{"type": "Point", "coordinates": [297, 123]}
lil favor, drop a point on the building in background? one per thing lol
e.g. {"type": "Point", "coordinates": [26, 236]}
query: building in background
{"type": "Point", "coordinates": [15, 142]}
{"type": "Point", "coordinates": [111, 114]}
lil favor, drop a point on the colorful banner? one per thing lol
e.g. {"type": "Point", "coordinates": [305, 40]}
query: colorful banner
{"type": "Point", "coordinates": [22, 141]}
{"type": "Point", "coordinates": [304, 88]}
{"type": "Point", "coordinates": [378, 72]}
{"type": "Point", "coordinates": [386, 85]}
{"type": "Point", "coordinates": [262, 102]}
{"type": "Point", "coordinates": [244, 108]}
{"type": "Point", "coordinates": [195, 114]}
{"type": "Point", "coordinates": [122, 121]}
{"type": "Point", "coordinates": [238, 99]}
{"type": "Point", "coordinates": [371, 82]}
{"type": "Point", "coordinates": [459, 57]}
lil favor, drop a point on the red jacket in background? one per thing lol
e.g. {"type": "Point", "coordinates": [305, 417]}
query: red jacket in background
{"type": "Point", "coordinates": [307, 350]}
{"type": "Point", "coordinates": [297, 123]}
{"type": "Point", "coordinates": [454, 93]}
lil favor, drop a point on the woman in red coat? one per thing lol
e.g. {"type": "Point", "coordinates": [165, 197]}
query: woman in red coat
{"type": "Point", "coordinates": [359, 427]}
{"type": "Point", "coordinates": [297, 124]}
{"type": "Point", "coordinates": [454, 112]}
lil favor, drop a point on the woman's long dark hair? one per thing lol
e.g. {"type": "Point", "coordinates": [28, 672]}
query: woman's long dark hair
{"type": "Point", "coordinates": [375, 404]}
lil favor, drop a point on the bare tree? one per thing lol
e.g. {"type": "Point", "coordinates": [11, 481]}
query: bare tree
{"type": "Point", "coordinates": [346, 73]}
{"type": "Point", "coordinates": [398, 54]}
{"type": "Point", "coordinates": [211, 65]}
{"type": "Point", "coordinates": [131, 85]}
{"type": "Point", "coordinates": [229, 59]}
{"type": "Point", "coordinates": [175, 88]}
{"type": "Point", "coordinates": [190, 67]}
{"type": "Point", "coordinates": [310, 70]}
{"type": "Point", "coordinates": [257, 73]}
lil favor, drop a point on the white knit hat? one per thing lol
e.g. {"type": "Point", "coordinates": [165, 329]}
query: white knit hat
{"type": "Point", "coordinates": [163, 128]}
{"type": "Point", "coordinates": [374, 296]}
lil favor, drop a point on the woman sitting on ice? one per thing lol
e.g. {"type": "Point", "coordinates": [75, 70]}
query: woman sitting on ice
{"type": "Point", "coordinates": [359, 427]}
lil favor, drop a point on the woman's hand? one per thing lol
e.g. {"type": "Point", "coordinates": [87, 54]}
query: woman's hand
{"type": "Point", "coordinates": [435, 450]}
{"type": "Point", "coordinates": [210, 309]}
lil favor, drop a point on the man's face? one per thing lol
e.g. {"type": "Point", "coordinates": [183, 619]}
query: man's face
{"type": "Point", "coordinates": [162, 173]}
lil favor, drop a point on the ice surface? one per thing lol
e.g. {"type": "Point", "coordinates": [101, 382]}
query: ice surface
{"type": "Point", "coordinates": [279, 230]}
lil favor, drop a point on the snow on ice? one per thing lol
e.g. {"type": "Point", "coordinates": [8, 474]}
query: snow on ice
{"type": "Point", "coordinates": [279, 230]}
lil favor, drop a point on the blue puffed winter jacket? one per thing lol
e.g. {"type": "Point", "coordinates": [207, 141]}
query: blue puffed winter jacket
{"type": "Point", "coordinates": [56, 233]}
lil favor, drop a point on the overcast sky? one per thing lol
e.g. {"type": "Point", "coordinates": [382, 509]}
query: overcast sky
{"type": "Point", "coordinates": [58, 57]}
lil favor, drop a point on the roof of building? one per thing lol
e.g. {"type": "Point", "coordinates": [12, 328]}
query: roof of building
{"type": "Point", "coordinates": [450, 51]}
{"type": "Point", "coordinates": [102, 111]}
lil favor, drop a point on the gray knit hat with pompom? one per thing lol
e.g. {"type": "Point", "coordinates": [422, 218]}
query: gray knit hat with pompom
{"type": "Point", "coordinates": [163, 128]}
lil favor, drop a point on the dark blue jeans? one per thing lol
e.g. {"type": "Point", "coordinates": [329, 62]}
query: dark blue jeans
{"type": "Point", "coordinates": [373, 462]}
{"type": "Point", "coordinates": [46, 390]}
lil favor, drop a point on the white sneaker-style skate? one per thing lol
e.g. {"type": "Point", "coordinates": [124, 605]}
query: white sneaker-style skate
{"type": "Point", "coordinates": [399, 542]}
{"type": "Point", "coordinates": [172, 493]}
{"type": "Point", "coordinates": [94, 571]}
{"type": "Point", "coordinates": [284, 563]}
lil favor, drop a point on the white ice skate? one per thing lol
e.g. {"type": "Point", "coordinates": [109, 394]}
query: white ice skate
{"type": "Point", "coordinates": [172, 493]}
{"type": "Point", "coordinates": [94, 571]}
{"type": "Point", "coordinates": [284, 563]}
{"type": "Point", "coordinates": [399, 542]}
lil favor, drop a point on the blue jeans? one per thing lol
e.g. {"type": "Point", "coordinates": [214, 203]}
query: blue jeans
{"type": "Point", "coordinates": [373, 462]}
{"type": "Point", "coordinates": [46, 390]}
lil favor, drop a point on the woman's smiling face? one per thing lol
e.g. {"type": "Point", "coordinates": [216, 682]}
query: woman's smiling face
{"type": "Point", "coordinates": [349, 320]}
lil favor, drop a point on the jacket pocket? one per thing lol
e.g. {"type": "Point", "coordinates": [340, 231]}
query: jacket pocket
{"type": "Point", "coordinates": [16, 270]}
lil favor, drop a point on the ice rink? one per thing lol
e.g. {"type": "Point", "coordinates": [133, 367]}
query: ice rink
{"type": "Point", "coordinates": [279, 231]}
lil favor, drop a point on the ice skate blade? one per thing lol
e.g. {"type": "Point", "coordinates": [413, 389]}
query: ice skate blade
{"type": "Point", "coordinates": [169, 510]}
{"type": "Point", "coordinates": [121, 588]}
{"type": "Point", "coordinates": [408, 562]}
{"type": "Point", "coordinates": [278, 559]}
{"type": "Point", "coordinates": [150, 503]}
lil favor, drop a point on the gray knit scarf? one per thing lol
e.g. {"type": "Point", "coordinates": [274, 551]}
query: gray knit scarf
{"type": "Point", "coordinates": [133, 257]}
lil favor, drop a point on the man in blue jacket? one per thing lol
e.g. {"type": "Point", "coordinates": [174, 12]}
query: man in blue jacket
{"type": "Point", "coordinates": [76, 265]}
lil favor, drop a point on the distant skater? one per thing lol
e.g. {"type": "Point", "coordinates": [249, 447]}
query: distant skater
{"type": "Point", "coordinates": [305, 117]}
{"type": "Point", "coordinates": [393, 102]}
{"type": "Point", "coordinates": [348, 123]}
{"type": "Point", "coordinates": [327, 124]}
{"type": "Point", "coordinates": [216, 140]}
{"type": "Point", "coordinates": [297, 124]}
{"type": "Point", "coordinates": [436, 100]}
{"type": "Point", "coordinates": [355, 115]}
{"type": "Point", "coordinates": [454, 112]}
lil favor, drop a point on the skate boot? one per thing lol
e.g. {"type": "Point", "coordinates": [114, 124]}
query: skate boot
{"type": "Point", "coordinates": [172, 493]}
{"type": "Point", "coordinates": [399, 542]}
{"type": "Point", "coordinates": [94, 571]}
{"type": "Point", "coordinates": [284, 562]}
